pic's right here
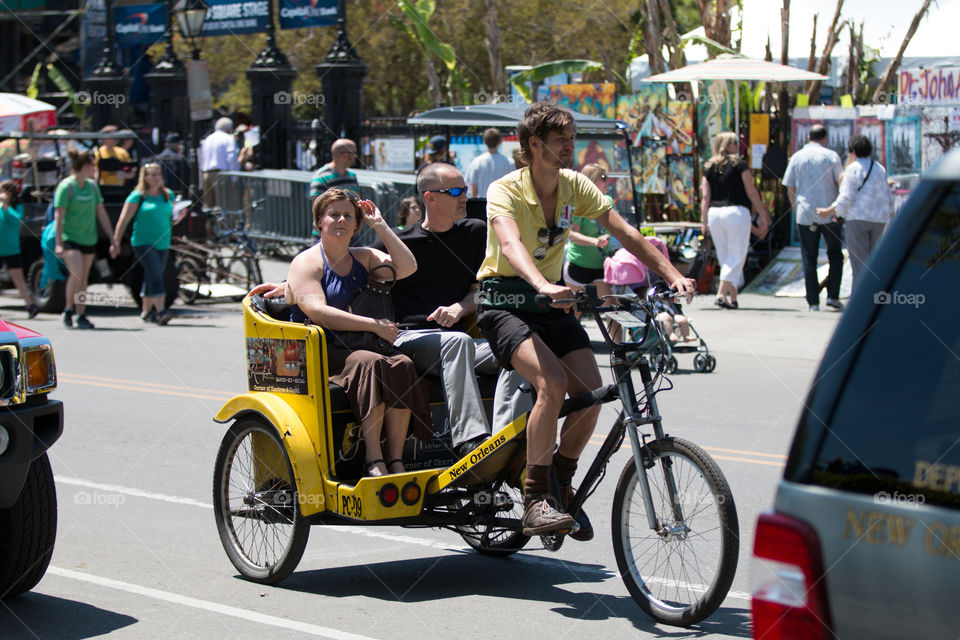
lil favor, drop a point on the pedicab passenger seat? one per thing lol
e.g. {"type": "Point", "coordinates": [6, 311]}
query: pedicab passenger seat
{"type": "Point", "coordinates": [276, 308]}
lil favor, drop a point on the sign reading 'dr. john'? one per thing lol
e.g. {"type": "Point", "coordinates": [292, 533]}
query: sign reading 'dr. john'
{"type": "Point", "coordinates": [298, 14]}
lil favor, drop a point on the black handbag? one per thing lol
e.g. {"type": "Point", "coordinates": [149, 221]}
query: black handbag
{"type": "Point", "coordinates": [372, 301]}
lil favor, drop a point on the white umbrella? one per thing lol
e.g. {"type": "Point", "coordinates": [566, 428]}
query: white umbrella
{"type": "Point", "coordinates": [17, 113]}
{"type": "Point", "coordinates": [728, 67]}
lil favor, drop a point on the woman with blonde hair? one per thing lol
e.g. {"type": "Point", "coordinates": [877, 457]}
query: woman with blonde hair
{"type": "Point", "coordinates": [584, 254]}
{"type": "Point", "coordinates": [726, 195]}
{"type": "Point", "coordinates": [150, 206]}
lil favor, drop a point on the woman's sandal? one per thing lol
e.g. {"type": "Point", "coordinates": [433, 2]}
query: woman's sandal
{"type": "Point", "coordinates": [372, 466]}
{"type": "Point", "coordinates": [399, 461]}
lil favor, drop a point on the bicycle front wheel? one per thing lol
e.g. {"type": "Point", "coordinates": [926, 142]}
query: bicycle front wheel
{"type": "Point", "coordinates": [243, 271]}
{"type": "Point", "coordinates": [681, 572]}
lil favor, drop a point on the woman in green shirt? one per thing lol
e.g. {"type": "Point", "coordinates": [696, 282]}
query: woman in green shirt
{"type": "Point", "coordinates": [584, 259]}
{"type": "Point", "coordinates": [11, 215]}
{"type": "Point", "coordinates": [78, 206]}
{"type": "Point", "coordinates": [150, 206]}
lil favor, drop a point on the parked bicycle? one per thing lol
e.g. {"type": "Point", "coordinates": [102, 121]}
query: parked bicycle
{"type": "Point", "coordinates": [290, 460]}
{"type": "Point", "coordinates": [225, 266]}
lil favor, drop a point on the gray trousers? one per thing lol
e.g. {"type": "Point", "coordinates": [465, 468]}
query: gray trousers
{"type": "Point", "coordinates": [861, 238]}
{"type": "Point", "coordinates": [455, 358]}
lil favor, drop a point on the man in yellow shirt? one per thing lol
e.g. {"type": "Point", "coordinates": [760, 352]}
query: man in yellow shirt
{"type": "Point", "coordinates": [528, 221]}
{"type": "Point", "coordinates": [111, 150]}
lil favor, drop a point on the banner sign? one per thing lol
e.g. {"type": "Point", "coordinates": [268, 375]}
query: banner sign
{"type": "Point", "coordinates": [233, 17]}
{"type": "Point", "coordinates": [92, 32]}
{"type": "Point", "coordinates": [140, 23]}
{"type": "Point", "coordinates": [392, 154]}
{"type": "Point", "coordinates": [927, 87]}
{"type": "Point", "coordinates": [198, 90]}
{"type": "Point", "coordinates": [298, 14]}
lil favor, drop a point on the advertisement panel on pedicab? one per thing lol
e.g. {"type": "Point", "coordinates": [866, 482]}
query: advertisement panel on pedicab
{"type": "Point", "coordinates": [276, 365]}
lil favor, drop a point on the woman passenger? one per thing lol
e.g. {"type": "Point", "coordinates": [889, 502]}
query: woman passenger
{"type": "Point", "coordinates": [410, 213]}
{"type": "Point", "coordinates": [384, 390]}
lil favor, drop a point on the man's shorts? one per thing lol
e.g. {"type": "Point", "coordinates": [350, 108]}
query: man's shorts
{"type": "Point", "coordinates": [12, 262]}
{"type": "Point", "coordinates": [506, 330]}
{"type": "Point", "coordinates": [70, 245]}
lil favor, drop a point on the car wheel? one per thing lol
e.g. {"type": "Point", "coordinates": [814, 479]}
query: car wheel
{"type": "Point", "coordinates": [51, 298]}
{"type": "Point", "coordinates": [27, 531]}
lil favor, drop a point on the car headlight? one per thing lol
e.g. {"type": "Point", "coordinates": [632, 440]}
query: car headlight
{"type": "Point", "coordinates": [41, 372]}
{"type": "Point", "coordinates": [4, 439]}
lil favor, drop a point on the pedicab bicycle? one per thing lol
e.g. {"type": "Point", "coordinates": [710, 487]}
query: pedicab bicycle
{"type": "Point", "coordinates": [293, 458]}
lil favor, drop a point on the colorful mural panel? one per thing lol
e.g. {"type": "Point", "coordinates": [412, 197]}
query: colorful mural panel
{"type": "Point", "coordinates": [591, 99]}
{"type": "Point", "coordinates": [903, 146]}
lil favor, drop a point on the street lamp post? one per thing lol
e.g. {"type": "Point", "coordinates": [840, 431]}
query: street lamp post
{"type": "Point", "coordinates": [108, 86]}
{"type": "Point", "coordinates": [190, 15]}
{"type": "Point", "coordinates": [271, 81]}
{"type": "Point", "coordinates": [168, 88]}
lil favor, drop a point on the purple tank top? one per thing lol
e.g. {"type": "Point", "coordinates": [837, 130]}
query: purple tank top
{"type": "Point", "coordinates": [338, 289]}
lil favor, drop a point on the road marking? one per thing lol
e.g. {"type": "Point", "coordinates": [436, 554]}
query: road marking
{"type": "Point", "coordinates": [352, 530]}
{"type": "Point", "coordinates": [763, 462]}
{"type": "Point", "coordinates": [779, 456]}
{"type": "Point", "coordinates": [206, 605]}
{"type": "Point", "coordinates": [140, 383]}
{"type": "Point", "coordinates": [595, 440]}
{"type": "Point", "coordinates": [129, 385]}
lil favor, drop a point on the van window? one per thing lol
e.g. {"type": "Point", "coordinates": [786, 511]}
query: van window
{"type": "Point", "coordinates": [895, 432]}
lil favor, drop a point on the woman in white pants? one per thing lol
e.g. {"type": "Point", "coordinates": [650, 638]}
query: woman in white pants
{"type": "Point", "coordinates": [726, 194]}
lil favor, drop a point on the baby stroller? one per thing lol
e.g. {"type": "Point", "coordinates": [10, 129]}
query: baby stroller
{"type": "Point", "coordinates": [625, 272]}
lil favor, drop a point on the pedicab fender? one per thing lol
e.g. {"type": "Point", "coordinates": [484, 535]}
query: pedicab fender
{"type": "Point", "coordinates": [295, 440]}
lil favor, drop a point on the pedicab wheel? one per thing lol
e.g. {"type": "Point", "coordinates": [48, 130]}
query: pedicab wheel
{"type": "Point", "coordinates": [671, 365]}
{"type": "Point", "coordinates": [255, 503]}
{"type": "Point", "coordinates": [700, 363]}
{"type": "Point", "coordinates": [496, 539]}
{"type": "Point", "coordinates": [680, 573]}
{"type": "Point", "coordinates": [711, 364]}
{"type": "Point", "coordinates": [189, 277]}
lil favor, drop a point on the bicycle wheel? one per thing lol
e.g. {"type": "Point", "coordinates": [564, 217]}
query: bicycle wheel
{"type": "Point", "coordinates": [244, 272]}
{"type": "Point", "coordinates": [189, 279]}
{"type": "Point", "coordinates": [255, 503]}
{"type": "Point", "coordinates": [680, 573]}
{"type": "Point", "coordinates": [499, 540]}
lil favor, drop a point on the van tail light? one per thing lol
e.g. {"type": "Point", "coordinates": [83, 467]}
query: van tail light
{"type": "Point", "coordinates": [789, 591]}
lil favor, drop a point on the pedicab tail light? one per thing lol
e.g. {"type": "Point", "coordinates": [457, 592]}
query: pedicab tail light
{"type": "Point", "coordinates": [410, 494]}
{"type": "Point", "coordinates": [41, 372]}
{"type": "Point", "coordinates": [789, 588]}
{"type": "Point", "coordinates": [389, 494]}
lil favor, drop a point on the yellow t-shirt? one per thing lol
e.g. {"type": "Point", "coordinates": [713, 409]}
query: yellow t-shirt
{"type": "Point", "coordinates": [515, 197]}
{"type": "Point", "coordinates": [118, 152]}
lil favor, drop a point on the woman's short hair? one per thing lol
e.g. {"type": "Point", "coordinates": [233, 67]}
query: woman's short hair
{"type": "Point", "coordinates": [860, 146]}
{"type": "Point", "coordinates": [404, 211]}
{"type": "Point", "coordinates": [12, 190]}
{"type": "Point", "coordinates": [79, 159]}
{"type": "Point", "coordinates": [328, 197]}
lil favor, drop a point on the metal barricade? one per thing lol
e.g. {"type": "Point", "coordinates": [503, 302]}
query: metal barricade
{"type": "Point", "coordinates": [285, 216]}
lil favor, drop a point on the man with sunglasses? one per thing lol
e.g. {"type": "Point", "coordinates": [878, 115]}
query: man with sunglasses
{"type": "Point", "coordinates": [528, 217]}
{"type": "Point", "coordinates": [432, 303]}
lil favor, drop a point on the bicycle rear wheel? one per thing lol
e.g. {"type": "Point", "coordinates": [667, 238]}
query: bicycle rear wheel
{"type": "Point", "coordinates": [680, 573]}
{"type": "Point", "coordinates": [243, 271]}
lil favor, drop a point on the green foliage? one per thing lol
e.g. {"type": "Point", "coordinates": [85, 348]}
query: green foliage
{"type": "Point", "coordinates": [420, 15]}
{"type": "Point", "coordinates": [79, 110]}
{"type": "Point", "coordinates": [33, 90]}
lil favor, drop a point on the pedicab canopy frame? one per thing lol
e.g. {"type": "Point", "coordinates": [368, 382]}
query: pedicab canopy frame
{"type": "Point", "coordinates": [507, 115]}
{"type": "Point", "coordinates": [727, 67]}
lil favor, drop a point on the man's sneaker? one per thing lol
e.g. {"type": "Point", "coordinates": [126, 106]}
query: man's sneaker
{"type": "Point", "coordinates": [814, 307]}
{"type": "Point", "coordinates": [83, 323]}
{"type": "Point", "coordinates": [67, 318]}
{"type": "Point", "coordinates": [541, 516]}
{"type": "Point", "coordinates": [584, 529]}
{"type": "Point", "coordinates": [163, 317]}
{"type": "Point", "coordinates": [833, 303]}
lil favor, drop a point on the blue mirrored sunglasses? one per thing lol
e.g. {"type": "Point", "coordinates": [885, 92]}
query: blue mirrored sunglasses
{"type": "Point", "coordinates": [456, 192]}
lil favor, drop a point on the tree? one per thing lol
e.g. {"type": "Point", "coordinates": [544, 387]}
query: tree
{"type": "Point", "coordinates": [833, 36]}
{"type": "Point", "coordinates": [493, 47]}
{"type": "Point", "coordinates": [715, 17]}
{"type": "Point", "coordinates": [895, 63]}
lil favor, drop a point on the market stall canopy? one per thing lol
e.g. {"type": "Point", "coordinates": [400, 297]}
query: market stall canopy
{"type": "Point", "coordinates": [17, 113]}
{"type": "Point", "coordinates": [732, 68]}
{"type": "Point", "coordinates": [499, 115]}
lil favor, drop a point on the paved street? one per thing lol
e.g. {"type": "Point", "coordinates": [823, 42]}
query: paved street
{"type": "Point", "coordinates": [138, 556]}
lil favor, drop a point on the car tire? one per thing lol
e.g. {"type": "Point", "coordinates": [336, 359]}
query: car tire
{"type": "Point", "coordinates": [28, 530]}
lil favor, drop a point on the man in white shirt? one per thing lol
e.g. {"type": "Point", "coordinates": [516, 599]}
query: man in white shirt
{"type": "Point", "coordinates": [218, 152]}
{"type": "Point", "coordinates": [488, 167]}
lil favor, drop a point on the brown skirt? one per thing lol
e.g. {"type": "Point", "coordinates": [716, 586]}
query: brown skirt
{"type": "Point", "coordinates": [371, 379]}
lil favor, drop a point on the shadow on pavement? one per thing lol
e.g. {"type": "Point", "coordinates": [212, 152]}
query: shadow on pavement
{"type": "Point", "coordinates": [35, 615]}
{"type": "Point", "coordinates": [530, 578]}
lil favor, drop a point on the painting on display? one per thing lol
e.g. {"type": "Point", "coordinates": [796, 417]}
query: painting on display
{"type": "Point", "coordinates": [903, 146]}
{"type": "Point", "coordinates": [679, 118]}
{"type": "Point", "coordinates": [934, 124]}
{"type": "Point", "coordinates": [590, 99]}
{"type": "Point", "coordinates": [653, 173]}
{"type": "Point", "coordinates": [680, 190]}
{"type": "Point", "coordinates": [634, 109]}
{"type": "Point", "coordinates": [839, 133]}
{"type": "Point", "coordinates": [594, 151]}
{"type": "Point", "coordinates": [800, 134]}
{"type": "Point", "coordinates": [714, 113]}
{"type": "Point", "coordinates": [875, 131]}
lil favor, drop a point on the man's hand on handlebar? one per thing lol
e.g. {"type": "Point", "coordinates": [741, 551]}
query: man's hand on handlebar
{"type": "Point", "coordinates": [686, 287]}
{"type": "Point", "coordinates": [559, 292]}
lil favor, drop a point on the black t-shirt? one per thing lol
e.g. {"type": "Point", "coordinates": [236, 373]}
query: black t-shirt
{"type": "Point", "coordinates": [447, 265]}
{"type": "Point", "coordinates": [726, 187]}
